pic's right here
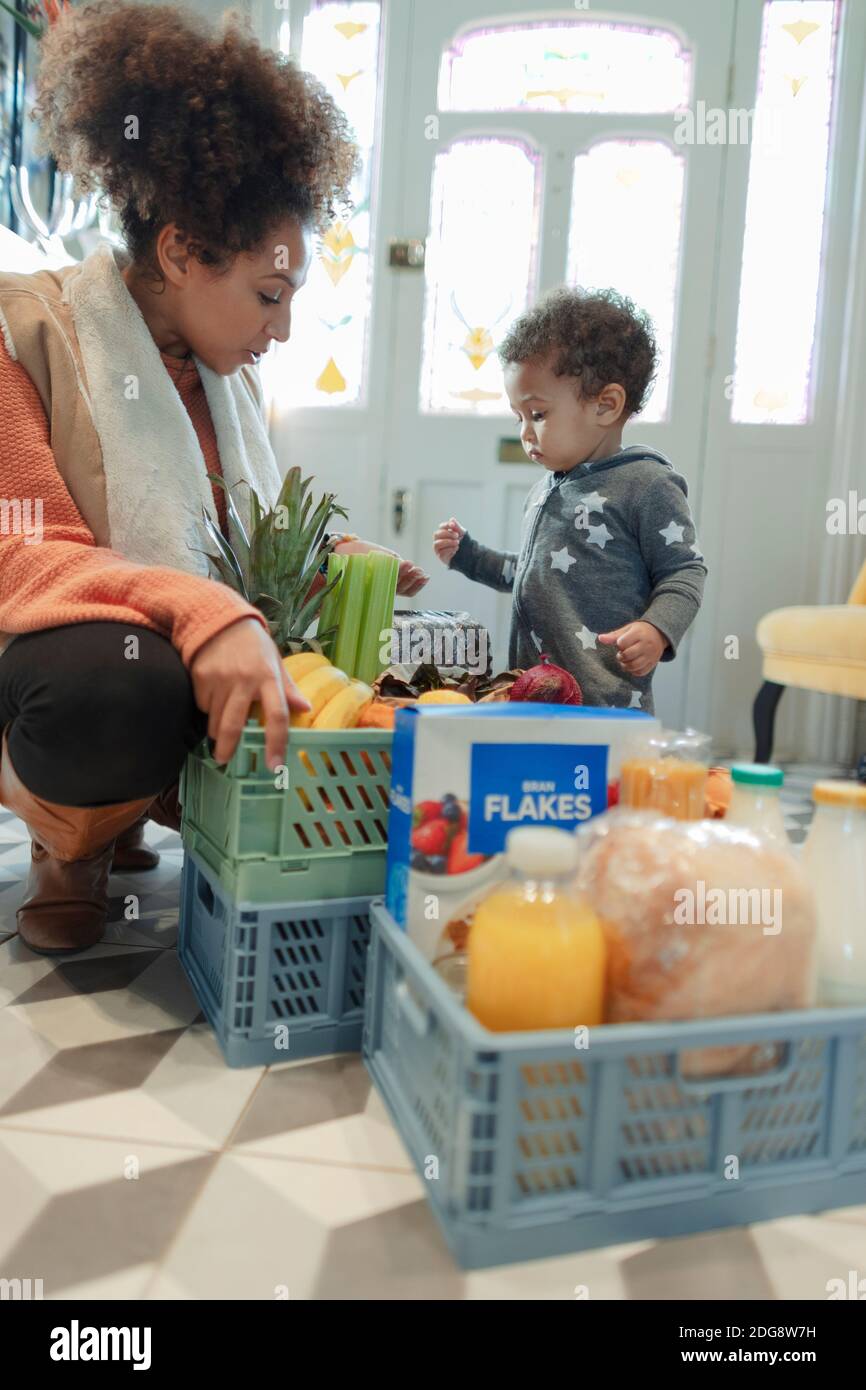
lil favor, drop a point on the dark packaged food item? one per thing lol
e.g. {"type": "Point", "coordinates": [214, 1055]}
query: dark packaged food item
{"type": "Point", "coordinates": [447, 641]}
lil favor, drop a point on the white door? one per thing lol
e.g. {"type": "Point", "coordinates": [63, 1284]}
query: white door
{"type": "Point", "coordinates": [510, 119]}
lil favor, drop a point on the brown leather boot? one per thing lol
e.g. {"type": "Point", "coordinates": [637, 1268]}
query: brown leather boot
{"type": "Point", "coordinates": [130, 851]}
{"type": "Point", "coordinates": [66, 900]}
{"type": "Point", "coordinates": [165, 809]}
{"type": "Point", "coordinates": [131, 854]}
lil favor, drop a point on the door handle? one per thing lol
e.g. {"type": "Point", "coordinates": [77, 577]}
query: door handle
{"type": "Point", "coordinates": [407, 253]}
{"type": "Point", "coordinates": [511, 450]}
{"type": "Point", "coordinates": [400, 509]}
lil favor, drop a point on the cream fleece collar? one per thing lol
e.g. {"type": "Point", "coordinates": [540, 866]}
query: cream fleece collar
{"type": "Point", "coordinates": [155, 474]}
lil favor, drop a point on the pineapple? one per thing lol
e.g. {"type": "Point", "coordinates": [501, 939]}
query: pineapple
{"type": "Point", "coordinates": [274, 566]}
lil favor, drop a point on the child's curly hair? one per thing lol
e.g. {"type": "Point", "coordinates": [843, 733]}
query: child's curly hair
{"type": "Point", "coordinates": [231, 138]}
{"type": "Point", "coordinates": [597, 336]}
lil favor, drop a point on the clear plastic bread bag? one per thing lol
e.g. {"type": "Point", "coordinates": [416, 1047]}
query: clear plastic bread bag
{"type": "Point", "coordinates": [701, 920]}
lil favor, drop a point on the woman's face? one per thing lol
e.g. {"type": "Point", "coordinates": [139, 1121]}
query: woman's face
{"type": "Point", "coordinates": [225, 319]}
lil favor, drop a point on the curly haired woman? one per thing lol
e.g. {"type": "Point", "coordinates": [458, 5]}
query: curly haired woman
{"type": "Point", "coordinates": [125, 380]}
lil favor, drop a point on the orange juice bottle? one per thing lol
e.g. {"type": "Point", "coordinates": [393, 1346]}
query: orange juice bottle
{"type": "Point", "coordinates": [536, 948]}
{"type": "Point", "coordinates": [667, 771]}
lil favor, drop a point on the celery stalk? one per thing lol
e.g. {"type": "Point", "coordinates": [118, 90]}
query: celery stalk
{"type": "Point", "coordinates": [353, 591]}
{"type": "Point", "coordinates": [329, 613]}
{"type": "Point", "coordinates": [378, 614]}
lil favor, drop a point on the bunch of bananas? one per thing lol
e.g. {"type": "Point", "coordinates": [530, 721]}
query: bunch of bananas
{"type": "Point", "coordinates": [336, 701]}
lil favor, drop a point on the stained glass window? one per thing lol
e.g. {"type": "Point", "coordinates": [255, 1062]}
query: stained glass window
{"type": "Point", "coordinates": [620, 186]}
{"type": "Point", "coordinates": [479, 269]}
{"type": "Point", "coordinates": [565, 65]}
{"type": "Point", "coordinates": [325, 360]}
{"type": "Point", "coordinates": [785, 214]}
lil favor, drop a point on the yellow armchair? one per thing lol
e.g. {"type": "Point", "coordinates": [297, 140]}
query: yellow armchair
{"type": "Point", "coordinates": [822, 647]}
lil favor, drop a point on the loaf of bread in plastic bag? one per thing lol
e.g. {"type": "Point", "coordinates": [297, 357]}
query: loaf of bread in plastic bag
{"type": "Point", "coordinates": [702, 920]}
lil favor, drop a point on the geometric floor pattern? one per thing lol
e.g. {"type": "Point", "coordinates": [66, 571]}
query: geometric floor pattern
{"type": "Point", "coordinates": [135, 1165]}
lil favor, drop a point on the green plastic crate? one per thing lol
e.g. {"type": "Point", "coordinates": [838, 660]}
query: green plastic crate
{"type": "Point", "coordinates": [324, 835]}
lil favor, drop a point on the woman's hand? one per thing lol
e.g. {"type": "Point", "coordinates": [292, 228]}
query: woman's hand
{"type": "Point", "coordinates": [410, 577]}
{"type": "Point", "coordinates": [240, 665]}
{"type": "Point", "coordinates": [446, 539]}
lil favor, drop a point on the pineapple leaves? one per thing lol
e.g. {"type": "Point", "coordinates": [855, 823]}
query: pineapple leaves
{"type": "Point", "coordinates": [272, 609]}
{"type": "Point", "coordinates": [324, 637]}
{"type": "Point", "coordinates": [255, 510]}
{"type": "Point", "coordinates": [224, 570]}
{"type": "Point", "coordinates": [243, 546]}
{"type": "Point", "coordinates": [309, 609]}
{"type": "Point", "coordinates": [225, 560]}
{"type": "Point", "coordinates": [274, 561]}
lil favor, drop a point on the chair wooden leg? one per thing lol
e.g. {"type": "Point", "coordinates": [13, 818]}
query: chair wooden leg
{"type": "Point", "coordinates": [764, 718]}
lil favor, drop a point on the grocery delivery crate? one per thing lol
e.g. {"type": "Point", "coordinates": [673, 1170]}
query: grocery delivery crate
{"type": "Point", "coordinates": [531, 1147]}
{"type": "Point", "coordinates": [280, 981]}
{"type": "Point", "coordinates": [322, 835]}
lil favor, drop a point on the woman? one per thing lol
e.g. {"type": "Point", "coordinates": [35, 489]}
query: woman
{"type": "Point", "coordinates": [124, 381]}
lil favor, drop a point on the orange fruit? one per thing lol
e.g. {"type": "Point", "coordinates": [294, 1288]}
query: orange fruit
{"type": "Point", "coordinates": [443, 697]}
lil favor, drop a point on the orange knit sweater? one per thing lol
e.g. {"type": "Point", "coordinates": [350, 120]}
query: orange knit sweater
{"type": "Point", "coordinates": [67, 578]}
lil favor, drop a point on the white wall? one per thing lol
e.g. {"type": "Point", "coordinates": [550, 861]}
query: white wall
{"type": "Point", "coordinates": [763, 502]}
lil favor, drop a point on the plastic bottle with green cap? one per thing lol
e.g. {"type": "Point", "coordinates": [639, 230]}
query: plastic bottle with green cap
{"type": "Point", "coordinates": [755, 802]}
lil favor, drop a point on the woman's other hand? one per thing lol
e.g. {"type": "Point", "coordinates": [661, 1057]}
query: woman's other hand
{"type": "Point", "coordinates": [410, 577]}
{"type": "Point", "coordinates": [446, 539]}
{"type": "Point", "coordinates": [240, 665]}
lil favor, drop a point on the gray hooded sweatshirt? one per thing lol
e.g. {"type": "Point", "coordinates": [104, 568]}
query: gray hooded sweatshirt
{"type": "Point", "coordinates": [607, 543]}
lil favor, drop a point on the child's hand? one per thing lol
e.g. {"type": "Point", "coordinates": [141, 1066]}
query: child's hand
{"type": "Point", "coordinates": [446, 540]}
{"type": "Point", "coordinates": [639, 647]}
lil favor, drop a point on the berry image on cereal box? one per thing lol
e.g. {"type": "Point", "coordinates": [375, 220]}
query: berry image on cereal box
{"type": "Point", "coordinates": [439, 837]}
{"type": "Point", "coordinates": [463, 776]}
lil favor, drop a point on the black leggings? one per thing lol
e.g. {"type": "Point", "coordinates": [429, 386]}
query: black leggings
{"type": "Point", "coordinates": [99, 712]}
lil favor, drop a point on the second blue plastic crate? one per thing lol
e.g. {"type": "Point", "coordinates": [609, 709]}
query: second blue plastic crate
{"type": "Point", "coordinates": [280, 981]}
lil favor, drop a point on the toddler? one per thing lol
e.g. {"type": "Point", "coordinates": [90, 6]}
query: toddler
{"type": "Point", "coordinates": [609, 575]}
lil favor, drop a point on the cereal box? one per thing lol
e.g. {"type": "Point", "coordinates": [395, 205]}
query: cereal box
{"type": "Point", "coordinates": [463, 776]}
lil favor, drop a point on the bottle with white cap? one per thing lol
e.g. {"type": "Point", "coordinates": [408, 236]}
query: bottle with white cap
{"type": "Point", "coordinates": [834, 858]}
{"type": "Point", "coordinates": [536, 950]}
{"type": "Point", "coordinates": [755, 801]}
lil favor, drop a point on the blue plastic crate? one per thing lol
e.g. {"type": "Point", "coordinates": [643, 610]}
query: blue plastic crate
{"type": "Point", "coordinates": [541, 1149]}
{"type": "Point", "coordinates": [277, 981]}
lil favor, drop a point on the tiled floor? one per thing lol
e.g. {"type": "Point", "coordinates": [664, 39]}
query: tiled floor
{"type": "Point", "coordinates": [135, 1164]}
